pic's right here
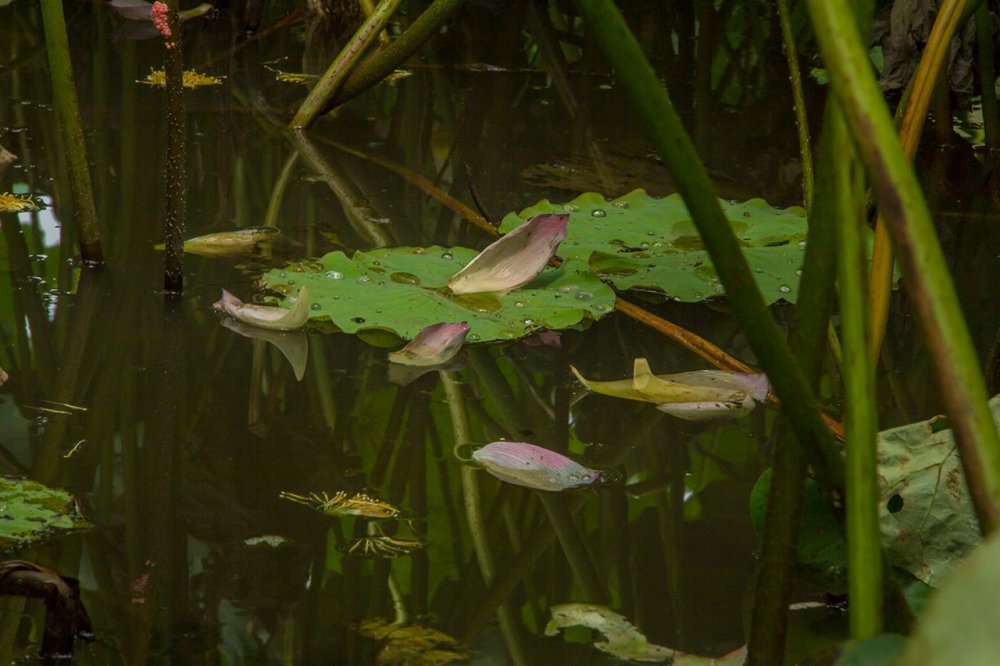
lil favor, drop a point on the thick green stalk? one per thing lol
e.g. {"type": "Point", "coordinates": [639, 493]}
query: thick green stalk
{"type": "Point", "coordinates": [474, 514]}
{"type": "Point", "coordinates": [333, 78]}
{"type": "Point", "coordinates": [381, 64]}
{"type": "Point", "coordinates": [864, 552]}
{"type": "Point", "coordinates": [930, 287]}
{"type": "Point", "coordinates": [71, 128]}
{"type": "Point", "coordinates": [801, 119]}
{"type": "Point", "coordinates": [775, 574]}
{"type": "Point", "coordinates": [664, 127]}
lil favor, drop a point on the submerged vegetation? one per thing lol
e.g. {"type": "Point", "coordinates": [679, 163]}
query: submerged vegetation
{"type": "Point", "coordinates": [461, 484]}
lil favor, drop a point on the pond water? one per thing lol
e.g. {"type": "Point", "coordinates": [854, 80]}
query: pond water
{"type": "Point", "coordinates": [190, 432]}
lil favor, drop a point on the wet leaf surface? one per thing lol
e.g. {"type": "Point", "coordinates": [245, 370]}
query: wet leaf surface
{"type": "Point", "coordinates": [30, 511]}
{"type": "Point", "coordinates": [641, 241]}
{"type": "Point", "coordinates": [402, 290]}
{"type": "Point", "coordinates": [959, 625]}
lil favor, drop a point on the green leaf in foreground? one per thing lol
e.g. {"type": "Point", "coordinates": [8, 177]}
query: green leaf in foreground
{"type": "Point", "coordinates": [926, 516]}
{"type": "Point", "coordinates": [402, 290]}
{"type": "Point", "coordinates": [30, 511]}
{"type": "Point", "coordinates": [928, 522]}
{"type": "Point", "coordinates": [639, 241]}
{"type": "Point", "coordinates": [959, 626]}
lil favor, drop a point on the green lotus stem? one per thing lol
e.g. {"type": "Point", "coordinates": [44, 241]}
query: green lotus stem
{"type": "Point", "coordinates": [515, 420]}
{"type": "Point", "coordinates": [864, 553]}
{"type": "Point", "coordinates": [278, 193]}
{"type": "Point", "coordinates": [664, 127]}
{"type": "Point", "coordinates": [356, 208]}
{"type": "Point", "coordinates": [368, 7]}
{"type": "Point", "coordinates": [176, 176]}
{"type": "Point", "coordinates": [332, 79]}
{"type": "Point", "coordinates": [930, 287]}
{"type": "Point", "coordinates": [915, 105]}
{"type": "Point", "coordinates": [775, 574]}
{"type": "Point", "coordinates": [801, 120]}
{"type": "Point", "coordinates": [71, 129]}
{"type": "Point", "coordinates": [474, 514]}
{"type": "Point", "coordinates": [381, 64]}
{"type": "Point", "coordinates": [987, 76]}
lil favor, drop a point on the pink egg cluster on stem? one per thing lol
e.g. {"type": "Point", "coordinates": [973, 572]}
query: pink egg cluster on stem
{"type": "Point", "coordinates": [160, 15]}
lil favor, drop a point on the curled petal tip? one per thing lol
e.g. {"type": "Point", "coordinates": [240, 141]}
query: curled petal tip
{"type": "Point", "coordinates": [267, 316]}
{"type": "Point", "coordinates": [435, 345]}
{"type": "Point", "coordinates": [514, 259]}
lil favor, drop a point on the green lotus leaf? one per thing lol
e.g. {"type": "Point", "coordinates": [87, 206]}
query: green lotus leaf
{"type": "Point", "coordinates": [639, 241]}
{"type": "Point", "coordinates": [31, 511]}
{"type": "Point", "coordinates": [403, 290]}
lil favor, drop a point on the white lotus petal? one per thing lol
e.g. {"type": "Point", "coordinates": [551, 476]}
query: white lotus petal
{"type": "Point", "coordinates": [703, 411]}
{"type": "Point", "coordinates": [515, 259]}
{"type": "Point", "coordinates": [267, 316]}
{"type": "Point", "coordinates": [434, 345]}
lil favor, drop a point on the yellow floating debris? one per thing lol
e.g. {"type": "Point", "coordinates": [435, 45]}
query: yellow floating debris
{"type": "Point", "coordinates": [192, 79]}
{"type": "Point", "coordinates": [18, 203]}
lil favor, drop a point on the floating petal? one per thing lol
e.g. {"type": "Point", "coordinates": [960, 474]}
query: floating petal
{"type": "Point", "coordinates": [266, 316]}
{"type": "Point", "coordinates": [515, 259]}
{"type": "Point", "coordinates": [434, 345]}
{"type": "Point", "coordinates": [293, 345]}
{"type": "Point", "coordinates": [698, 395]}
{"type": "Point", "coordinates": [253, 241]}
{"type": "Point", "coordinates": [534, 467]}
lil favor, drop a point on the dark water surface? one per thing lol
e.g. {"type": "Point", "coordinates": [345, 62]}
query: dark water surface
{"type": "Point", "coordinates": [191, 431]}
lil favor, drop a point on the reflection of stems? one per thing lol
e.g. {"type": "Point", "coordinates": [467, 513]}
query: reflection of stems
{"type": "Point", "coordinates": [332, 79]}
{"type": "Point", "coordinates": [929, 284]}
{"type": "Point", "coordinates": [500, 393]}
{"type": "Point", "coordinates": [321, 375]}
{"type": "Point", "coordinates": [801, 120]}
{"type": "Point", "coordinates": [922, 89]}
{"type": "Point", "coordinates": [381, 64]}
{"type": "Point", "coordinates": [356, 208]}
{"type": "Point", "coordinates": [783, 516]}
{"type": "Point", "coordinates": [68, 114]}
{"type": "Point", "coordinates": [278, 193]}
{"type": "Point", "coordinates": [663, 124]}
{"type": "Point", "coordinates": [473, 512]}
{"type": "Point", "coordinates": [398, 601]}
{"type": "Point", "coordinates": [173, 271]}
{"type": "Point", "coordinates": [681, 336]}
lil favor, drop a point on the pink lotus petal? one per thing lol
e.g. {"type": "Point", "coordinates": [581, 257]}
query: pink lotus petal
{"type": "Point", "coordinates": [266, 316]}
{"type": "Point", "coordinates": [534, 467]}
{"type": "Point", "coordinates": [434, 345]}
{"type": "Point", "coordinates": [515, 259]}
